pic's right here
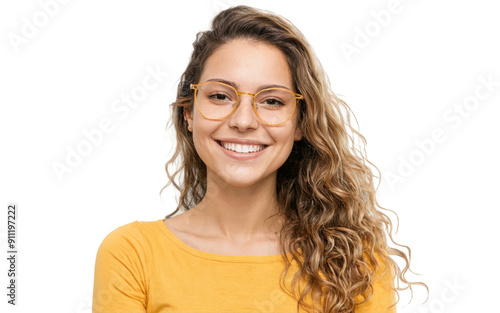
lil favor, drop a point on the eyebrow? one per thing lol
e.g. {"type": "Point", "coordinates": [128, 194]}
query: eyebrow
{"type": "Point", "coordinates": [236, 86]}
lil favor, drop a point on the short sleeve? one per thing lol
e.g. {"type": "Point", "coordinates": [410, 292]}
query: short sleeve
{"type": "Point", "coordinates": [119, 274]}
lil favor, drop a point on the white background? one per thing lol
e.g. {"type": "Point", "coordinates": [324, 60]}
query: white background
{"type": "Point", "coordinates": [403, 82]}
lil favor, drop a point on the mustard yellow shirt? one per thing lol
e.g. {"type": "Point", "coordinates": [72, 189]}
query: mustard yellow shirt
{"type": "Point", "coordinates": [143, 267]}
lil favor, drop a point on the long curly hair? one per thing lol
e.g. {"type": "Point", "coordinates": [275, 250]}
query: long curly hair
{"type": "Point", "coordinates": [325, 189]}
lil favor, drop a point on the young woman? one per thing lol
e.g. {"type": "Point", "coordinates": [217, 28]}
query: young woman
{"type": "Point", "coordinates": [279, 207]}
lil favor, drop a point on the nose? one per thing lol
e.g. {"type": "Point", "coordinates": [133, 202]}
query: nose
{"type": "Point", "coordinates": [244, 117]}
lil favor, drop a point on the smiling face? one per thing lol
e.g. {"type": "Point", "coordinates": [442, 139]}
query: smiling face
{"type": "Point", "coordinates": [241, 149]}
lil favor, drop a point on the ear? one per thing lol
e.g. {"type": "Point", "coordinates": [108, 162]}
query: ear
{"type": "Point", "coordinates": [298, 134]}
{"type": "Point", "coordinates": [188, 117]}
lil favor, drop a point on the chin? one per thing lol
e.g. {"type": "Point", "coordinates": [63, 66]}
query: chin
{"type": "Point", "coordinates": [245, 179]}
{"type": "Point", "coordinates": [240, 182]}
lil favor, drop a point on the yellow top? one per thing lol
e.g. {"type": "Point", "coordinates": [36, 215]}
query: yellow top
{"type": "Point", "coordinates": [144, 267]}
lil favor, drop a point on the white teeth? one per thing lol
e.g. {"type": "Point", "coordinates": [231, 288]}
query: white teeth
{"type": "Point", "coordinates": [242, 148]}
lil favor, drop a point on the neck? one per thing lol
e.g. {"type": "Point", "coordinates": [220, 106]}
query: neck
{"type": "Point", "coordinates": [239, 213]}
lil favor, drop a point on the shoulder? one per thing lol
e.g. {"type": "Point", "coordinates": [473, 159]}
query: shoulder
{"type": "Point", "coordinates": [122, 234]}
{"type": "Point", "coordinates": [128, 238]}
{"type": "Point", "coordinates": [121, 271]}
{"type": "Point", "coordinates": [125, 250]}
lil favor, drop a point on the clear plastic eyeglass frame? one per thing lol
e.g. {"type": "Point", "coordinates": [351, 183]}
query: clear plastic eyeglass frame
{"type": "Point", "coordinates": [296, 96]}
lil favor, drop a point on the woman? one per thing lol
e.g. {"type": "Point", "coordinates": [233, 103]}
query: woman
{"type": "Point", "coordinates": [279, 209]}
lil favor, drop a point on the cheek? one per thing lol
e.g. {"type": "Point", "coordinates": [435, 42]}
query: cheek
{"type": "Point", "coordinates": [200, 140]}
{"type": "Point", "coordinates": [286, 139]}
{"type": "Point", "coordinates": [202, 131]}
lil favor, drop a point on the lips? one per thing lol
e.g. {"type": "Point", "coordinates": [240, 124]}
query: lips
{"type": "Point", "coordinates": [241, 147]}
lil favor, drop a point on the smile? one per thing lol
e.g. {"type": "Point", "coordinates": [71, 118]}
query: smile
{"type": "Point", "coordinates": [240, 148]}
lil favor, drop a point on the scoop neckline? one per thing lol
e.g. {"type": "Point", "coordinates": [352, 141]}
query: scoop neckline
{"type": "Point", "coordinates": [218, 257]}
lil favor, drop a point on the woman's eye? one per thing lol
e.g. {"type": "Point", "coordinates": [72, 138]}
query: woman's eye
{"type": "Point", "coordinates": [273, 102]}
{"type": "Point", "coordinates": [219, 97]}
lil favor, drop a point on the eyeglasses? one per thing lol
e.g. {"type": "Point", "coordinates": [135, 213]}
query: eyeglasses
{"type": "Point", "coordinates": [216, 101]}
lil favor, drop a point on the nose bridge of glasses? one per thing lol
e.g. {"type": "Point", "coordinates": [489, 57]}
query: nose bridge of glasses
{"type": "Point", "coordinates": [239, 93]}
{"type": "Point", "coordinates": [245, 93]}
{"type": "Point", "coordinates": [252, 95]}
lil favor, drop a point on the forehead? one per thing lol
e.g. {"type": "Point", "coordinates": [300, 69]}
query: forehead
{"type": "Point", "coordinates": [249, 64]}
